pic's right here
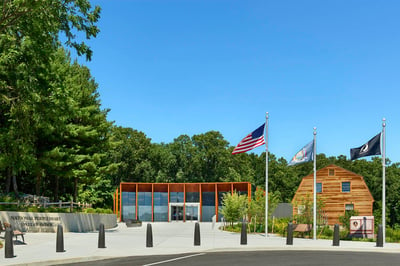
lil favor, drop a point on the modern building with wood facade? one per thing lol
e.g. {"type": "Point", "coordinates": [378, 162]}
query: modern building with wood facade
{"type": "Point", "coordinates": [166, 202]}
{"type": "Point", "coordinates": [339, 189]}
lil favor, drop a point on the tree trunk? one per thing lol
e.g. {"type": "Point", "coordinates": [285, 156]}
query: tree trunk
{"type": "Point", "coordinates": [15, 186]}
{"type": "Point", "coordinates": [8, 180]}
{"type": "Point", "coordinates": [56, 189]}
{"type": "Point", "coordinates": [75, 189]}
{"type": "Point", "coordinates": [38, 182]}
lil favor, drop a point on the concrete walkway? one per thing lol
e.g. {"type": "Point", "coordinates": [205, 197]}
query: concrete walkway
{"type": "Point", "coordinates": [168, 238]}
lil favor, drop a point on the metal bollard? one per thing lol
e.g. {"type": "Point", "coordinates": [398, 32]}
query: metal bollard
{"type": "Point", "coordinates": [379, 236]}
{"type": "Point", "coordinates": [149, 236]}
{"type": "Point", "coordinates": [197, 234]}
{"type": "Point", "coordinates": [243, 235]}
{"type": "Point", "coordinates": [9, 245]}
{"type": "Point", "coordinates": [336, 235]}
{"type": "Point", "coordinates": [289, 238]}
{"type": "Point", "coordinates": [102, 241]}
{"type": "Point", "coordinates": [60, 239]}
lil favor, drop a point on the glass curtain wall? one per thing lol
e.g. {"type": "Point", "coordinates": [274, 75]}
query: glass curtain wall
{"type": "Point", "coordinates": [160, 206]}
{"type": "Point", "coordinates": [193, 197]}
{"type": "Point", "coordinates": [144, 206]}
{"type": "Point", "coordinates": [208, 208]}
{"type": "Point", "coordinates": [154, 202]}
{"type": "Point", "coordinates": [128, 206]}
{"type": "Point", "coordinates": [176, 197]}
{"type": "Point", "coordinates": [192, 210]}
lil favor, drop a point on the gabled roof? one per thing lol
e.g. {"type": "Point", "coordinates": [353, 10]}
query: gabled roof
{"type": "Point", "coordinates": [337, 167]}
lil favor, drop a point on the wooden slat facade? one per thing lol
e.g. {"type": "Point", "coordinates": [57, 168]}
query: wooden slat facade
{"type": "Point", "coordinates": [334, 199]}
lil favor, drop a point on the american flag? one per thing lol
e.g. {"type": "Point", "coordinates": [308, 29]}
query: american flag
{"type": "Point", "coordinates": [251, 141]}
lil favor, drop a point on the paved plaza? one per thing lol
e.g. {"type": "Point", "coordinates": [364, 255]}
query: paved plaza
{"type": "Point", "coordinates": [168, 238]}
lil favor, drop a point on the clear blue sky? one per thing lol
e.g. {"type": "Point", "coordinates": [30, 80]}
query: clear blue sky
{"type": "Point", "coordinates": [172, 67]}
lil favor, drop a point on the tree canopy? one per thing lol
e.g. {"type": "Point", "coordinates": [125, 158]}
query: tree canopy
{"type": "Point", "coordinates": [56, 140]}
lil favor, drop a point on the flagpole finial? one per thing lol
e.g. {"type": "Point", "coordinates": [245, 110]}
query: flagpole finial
{"type": "Point", "coordinates": [267, 114]}
{"type": "Point", "coordinates": [315, 131]}
{"type": "Point", "coordinates": [384, 122]}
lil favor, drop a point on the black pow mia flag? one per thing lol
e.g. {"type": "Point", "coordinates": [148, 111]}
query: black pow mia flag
{"type": "Point", "coordinates": [372, 147]}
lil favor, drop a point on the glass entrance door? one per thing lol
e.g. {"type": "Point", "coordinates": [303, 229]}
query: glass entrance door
{"type": "Point", "coordinates": [176, 213]}
{"type": "Point", "coordinates": [184, 212]}
{"type": "Point", "coordinates": [192, 213]}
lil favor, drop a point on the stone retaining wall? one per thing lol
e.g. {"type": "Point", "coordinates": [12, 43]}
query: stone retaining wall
{"type": "Point", "coordinates": [48, 222]}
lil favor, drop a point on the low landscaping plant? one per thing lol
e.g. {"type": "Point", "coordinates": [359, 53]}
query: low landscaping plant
{"type": "Point", "coordinates": [97, 210]}
{"type": "Point", "coordinates": [325, 232]}
{"type": "Point", "coordinates": [233, 227]}
{"type": "Point", "coordinates": [392, 235]}
{"type": "Point", "coordinates": [279, 226]}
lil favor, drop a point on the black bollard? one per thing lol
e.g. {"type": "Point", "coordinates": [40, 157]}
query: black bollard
{"type": "Point", "coordinates": [197, 234]}
{"type": "Point", "coordinates": [9, 245]}
{"type": "Point", "coordinates": [149, 237]}
{"type": "Point", "coordinates": [60, 239]}
{"type": "Point", "coordinates": [102, 241]}
{"type": "Point", "coordinates": [243, 235]}
{"type": "Point", "coordinates": [289, 238]}
{"type": "Point", "coordinates": [379, 236]}
{"type": "Point", "coordinates": [336, 236]}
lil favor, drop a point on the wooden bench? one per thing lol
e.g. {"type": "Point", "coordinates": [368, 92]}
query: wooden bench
{"type": "Point", "coordinates": [302, 228]}
{"type": "Point", "coordinates": [16, 233]}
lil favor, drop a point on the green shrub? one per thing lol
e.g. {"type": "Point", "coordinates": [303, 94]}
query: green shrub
{"type": "Point", "coordinates": [33, 209]}
{"type": "Point", "coordinates": [7, 198]}
{"type": "Point", "coordinates": [98, 210]}
{"type": "Point", "coordinates": [89, 210]}
{"type": "Point", "coordinates": [235, 227]}
{"type": "Point", "coordinates": [345, 219]}
{"type": "Point", "coordinates": [326, 233]}
{"type": "Point", "coordinates": [105, 211]}
{"type": "Point", "coordinates": [280, 226]}
{"type": "Point", "coordinates": [392, 235]}
{"type": "Point", "coordinates": [344, 234]}
{"type": "Point", "coordinates": [11, 207]}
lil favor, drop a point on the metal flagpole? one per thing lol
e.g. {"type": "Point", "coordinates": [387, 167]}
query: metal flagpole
{"type": "Point", "coordinates": [383, 181]}
{"type": "Point", "coordinates": [266, 175]}
{"type": "Point", "coordinates": [315, 185]}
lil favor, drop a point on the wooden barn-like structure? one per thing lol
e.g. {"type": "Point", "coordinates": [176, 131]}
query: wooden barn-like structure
{"type": "Point", "coordinates": [340, 190]}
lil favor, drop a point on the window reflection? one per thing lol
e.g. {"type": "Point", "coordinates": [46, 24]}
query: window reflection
{"type": "Point", "coordinates": [128, 206]}
{"type": "Point", "coordinates": [176, 197]}
{"type": "Point", "coordinates": [161, 206]}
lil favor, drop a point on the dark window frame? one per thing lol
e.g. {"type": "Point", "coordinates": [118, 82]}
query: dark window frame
{"type": "Point", "coordinates": [349, 186]}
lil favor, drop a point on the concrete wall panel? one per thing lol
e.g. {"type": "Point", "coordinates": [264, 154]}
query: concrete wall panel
{"type": "Point", "coordinates": [48, 222]}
